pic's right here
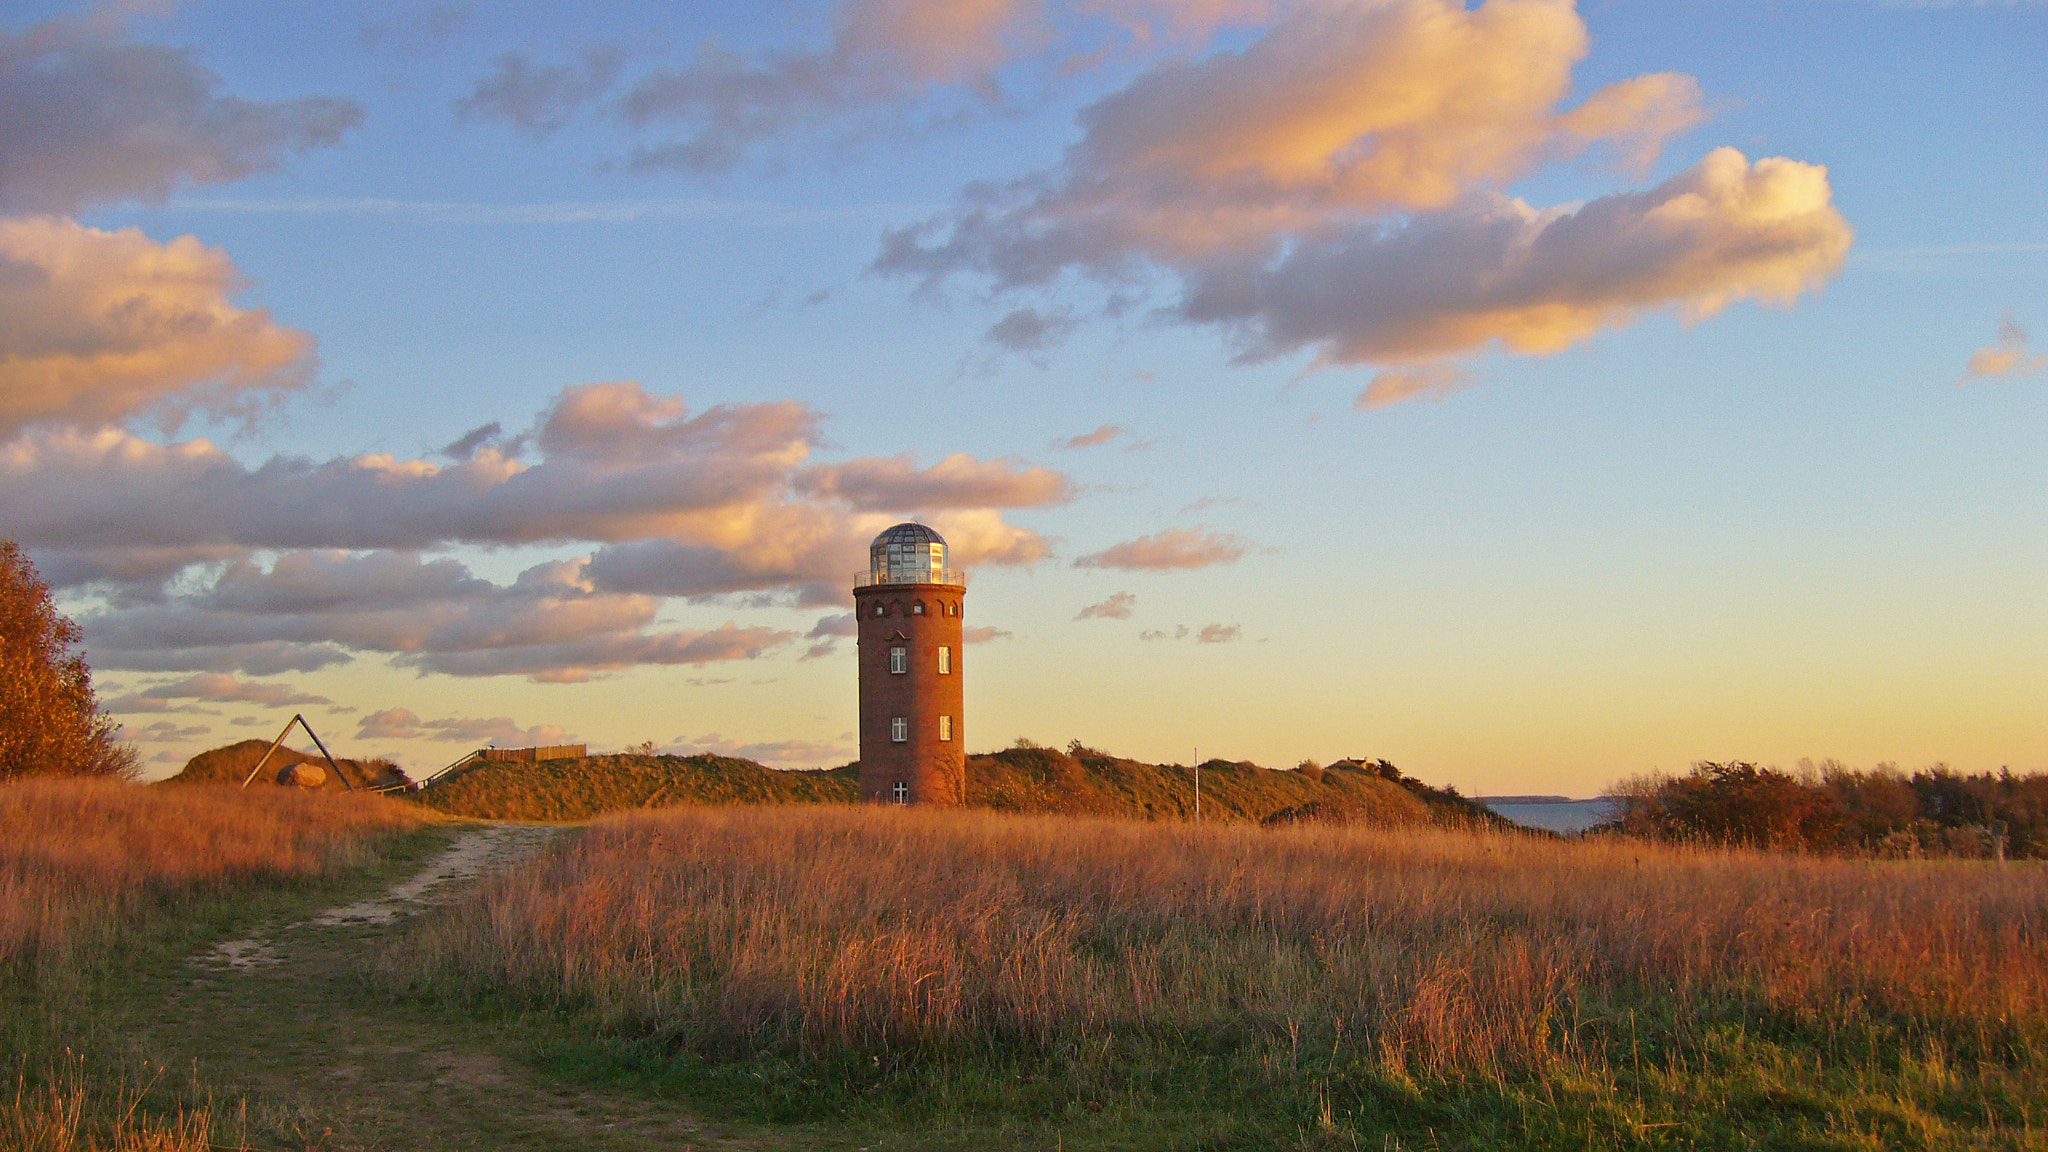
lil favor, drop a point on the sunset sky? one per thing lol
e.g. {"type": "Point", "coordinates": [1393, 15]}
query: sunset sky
{"type": "Point", "coordinates": [1532, 395]}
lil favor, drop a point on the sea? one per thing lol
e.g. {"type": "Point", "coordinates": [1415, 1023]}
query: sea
{"type": "Point", "coordinates": [1551, 813]}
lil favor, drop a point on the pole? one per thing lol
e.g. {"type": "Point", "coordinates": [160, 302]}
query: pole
{"type": "Point", "coordinates": [1198, 785]}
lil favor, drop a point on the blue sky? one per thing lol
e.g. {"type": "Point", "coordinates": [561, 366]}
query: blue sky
{"type": "Point", "coordinates": [1705, 481]}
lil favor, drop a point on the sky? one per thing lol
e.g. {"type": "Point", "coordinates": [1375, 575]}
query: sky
{"type": "Point", "coordinates": [1531, 394]}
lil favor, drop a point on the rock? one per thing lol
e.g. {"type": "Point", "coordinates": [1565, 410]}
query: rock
{"type": "Point", "coordinates": [302, 775]}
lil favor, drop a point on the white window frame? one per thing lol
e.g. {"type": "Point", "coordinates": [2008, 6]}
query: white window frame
{"type": "Point", "coordinates": [899, 660]}
{"type": "Point", "coordinates": [917, 609]}
{"type": "Point", "coordinates": [946, 728]}
{"type": "Point", "coordinates": [945, 660]}
{"type": "Point", "coordinates": [899, 729]}
{"type": "Point", "coordinates": [901, 793]}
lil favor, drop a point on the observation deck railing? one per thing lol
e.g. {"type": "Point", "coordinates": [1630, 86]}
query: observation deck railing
{"type": "Point", "coordinates": [868, 577]}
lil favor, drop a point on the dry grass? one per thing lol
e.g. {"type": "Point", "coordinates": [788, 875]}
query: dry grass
{"type": "Point", "coordinates": [83, 861]}
{"type": "Point", "coordinates": [1436, 952]}
{"type": "Point", "coordinates": [66, 1110]}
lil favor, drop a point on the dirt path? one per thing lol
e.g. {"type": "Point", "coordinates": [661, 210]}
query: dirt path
{"type": "Point", "coordinates": [289, 1016]}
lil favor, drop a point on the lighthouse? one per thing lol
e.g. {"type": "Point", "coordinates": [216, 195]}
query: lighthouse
{"type": "Point", "coordinates": [908, 603]}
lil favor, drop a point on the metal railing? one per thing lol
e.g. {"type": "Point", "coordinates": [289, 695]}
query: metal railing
{"type": "Point", "coordinates": [869, 578]}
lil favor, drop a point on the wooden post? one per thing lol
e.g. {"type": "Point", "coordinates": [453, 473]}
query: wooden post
{"type": "Point", "coordinates": [299, 719]}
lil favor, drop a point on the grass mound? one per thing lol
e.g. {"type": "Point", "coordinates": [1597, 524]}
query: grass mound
{"type": "Point", "coordinates": [230, 764]}
{"type": "Point", "coordinates": [1078, 782]}
{"type": "Point", "coordinates": [581, 788]}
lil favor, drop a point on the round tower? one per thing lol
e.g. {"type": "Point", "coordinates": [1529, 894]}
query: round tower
{"type": "Point", "coordinates": [908, 603]}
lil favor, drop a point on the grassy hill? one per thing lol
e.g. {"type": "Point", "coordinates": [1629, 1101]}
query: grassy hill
{"type": "Point", "coordinates": [231, 763]}
{"type": "Point", "coordinates": [1081, 781]}
{"type": "Point", "coordinates": [581, 788]}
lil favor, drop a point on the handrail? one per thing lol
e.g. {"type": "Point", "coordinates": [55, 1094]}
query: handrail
{"type": "Point", "coordinates": [869, 578]}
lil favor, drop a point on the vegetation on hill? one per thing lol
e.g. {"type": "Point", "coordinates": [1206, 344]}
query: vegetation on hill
{"type": "Point", "coordinates": [1039, 981]}
{"type": "Point", "coordinates": [1026, 778]}
{"type": "Point", "coordinates": [50, 721]}
{"type": "Point", "coordinates": [230, 764]}
{"type": "Point", "coordinates": [581, 788]}
{"type": "Point", "coordinates": [1883, 812]}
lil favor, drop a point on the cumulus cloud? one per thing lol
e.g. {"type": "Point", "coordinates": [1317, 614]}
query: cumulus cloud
{"type": "Point", "coordinates": [1117, 607]}
{"type": "Point", "coordinates": [691, 504]}
{"type": "Point", "coordinates": [982, 635]}
{"type": "Point", "coordinates": [404, 724]}
{"type": "Point", "coordinates": [1173, 548]}
{"type": "Point", "coordinates": [88, 117]}
{"type": "Point", "coordinates": [2007, 357]}
{"type": "Point", "coordinates": [212, 687]}
{"type": "Point", "coordinates": [1495, 269]}
{"type": "Point", "coordinates": [1032, 330]}
{"type": "Point", "coordinates": [551, 624]}
{"type": "Point", "coordinates": [1218, 633]}
{"type": "Point", "coordinates": [98, 326]}
{"type": "Point", "coordinates": [1334, 186]}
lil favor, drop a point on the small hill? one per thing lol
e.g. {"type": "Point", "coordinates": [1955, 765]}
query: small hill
{"type": "Point", "coordinates": [231, 764]}
{"type": "Point", "coordinates": [1023, 779]}
{"type": "Point", "coordinates": [584, 787]}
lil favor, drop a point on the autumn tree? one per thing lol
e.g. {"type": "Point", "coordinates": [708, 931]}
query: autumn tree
{"type": "Point", "coordinates": [50, 724]}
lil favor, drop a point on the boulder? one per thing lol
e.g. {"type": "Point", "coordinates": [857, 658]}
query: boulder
{"type": "Point", "coordinates": [302, 776]}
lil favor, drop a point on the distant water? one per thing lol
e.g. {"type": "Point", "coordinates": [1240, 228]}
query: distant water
{"type": "Point", "coordinates": [1554, 815]}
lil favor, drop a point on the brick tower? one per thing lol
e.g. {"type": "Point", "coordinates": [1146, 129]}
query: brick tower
{"type": "Point", "coordinates": [908, 604]}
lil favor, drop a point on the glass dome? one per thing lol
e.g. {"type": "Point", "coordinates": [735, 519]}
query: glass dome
{"type": "Point", "coordinates": [909, 554]}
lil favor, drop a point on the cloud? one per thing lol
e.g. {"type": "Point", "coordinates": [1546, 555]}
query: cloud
{"type": "Point", "coordinates": [982, 635]}
{"type": "Point", "coordinates": [1496, 269]}
{"type": "Point", "coordinates": [415, 33]}
{"type": "Point", "coordinates": [404, 724]}
{"type": "Point", "coordinates": [99, 326]}
{"type": "Point", "coordinates": [539, 99]}
{"type": "Point", "coordinates": [551, 624]}
{"type": "Point", "coordinates": [1117, 607]}
{"type": "Point", "coordinates": [880, 66]}
{"type": "Point", "coordinates": [1103, 435]}
{"type": "Point", "coordinates": [958, 481]}
{"type": "Point", "coordinates": [1032, 330]}
{"type": "Point", "coordinates": [163, 732]}
{"type": "Point", "coordinates": [1180, 632]}
{"type": "Point", "coordinates": [806, 753]}
{"type": "Point", "coordinates": [1218, 634]}
{"type": "Point", "coordinates": [839, 624]}
{"type": "Point", "coordinates": [1429, 381]}
{"type": "Point", "coordinates": [691, 504]}
{"type": "Point", "coordinates": [1334, 187]}
{"type": "Point", "coordinates": [2007, 357]}
{"type": "Point", "coordinates": [1174, 548]}
{"type": "Point", "coordinates": [87, 117]}
{"type": "Point", "coordinates": [213, 687]}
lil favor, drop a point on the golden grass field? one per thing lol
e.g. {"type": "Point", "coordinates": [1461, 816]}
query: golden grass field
{"type": "Point", "coordinates": [1332, 966]}
{"type": "Point", "coordinates": [87, 867]}
{"type": "Point", "coordinates": [82, 861]}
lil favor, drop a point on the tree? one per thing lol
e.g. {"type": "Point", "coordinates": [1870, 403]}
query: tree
{"type": "Point", "coordinates": [50, 724]}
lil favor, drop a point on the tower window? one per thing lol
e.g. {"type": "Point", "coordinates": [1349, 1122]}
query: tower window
{"type": "Point", "coordinates": [901, 792]}
{"type": "Point", "coordinates": [917, 609]}
{"type": "Point", "coordinates": [879, 609]}
{"type": "Point", "coordinates": [899, 660]}
{"type": "Point", "coordinates": [945, 728]}
{"type": "Point", "coordinates": [945, 661]}
{"type": "Point", "coordinates": [899, 728]}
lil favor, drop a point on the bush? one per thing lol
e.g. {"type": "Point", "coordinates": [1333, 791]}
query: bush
{"type": "Point", "coordinates": [50, 723]}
